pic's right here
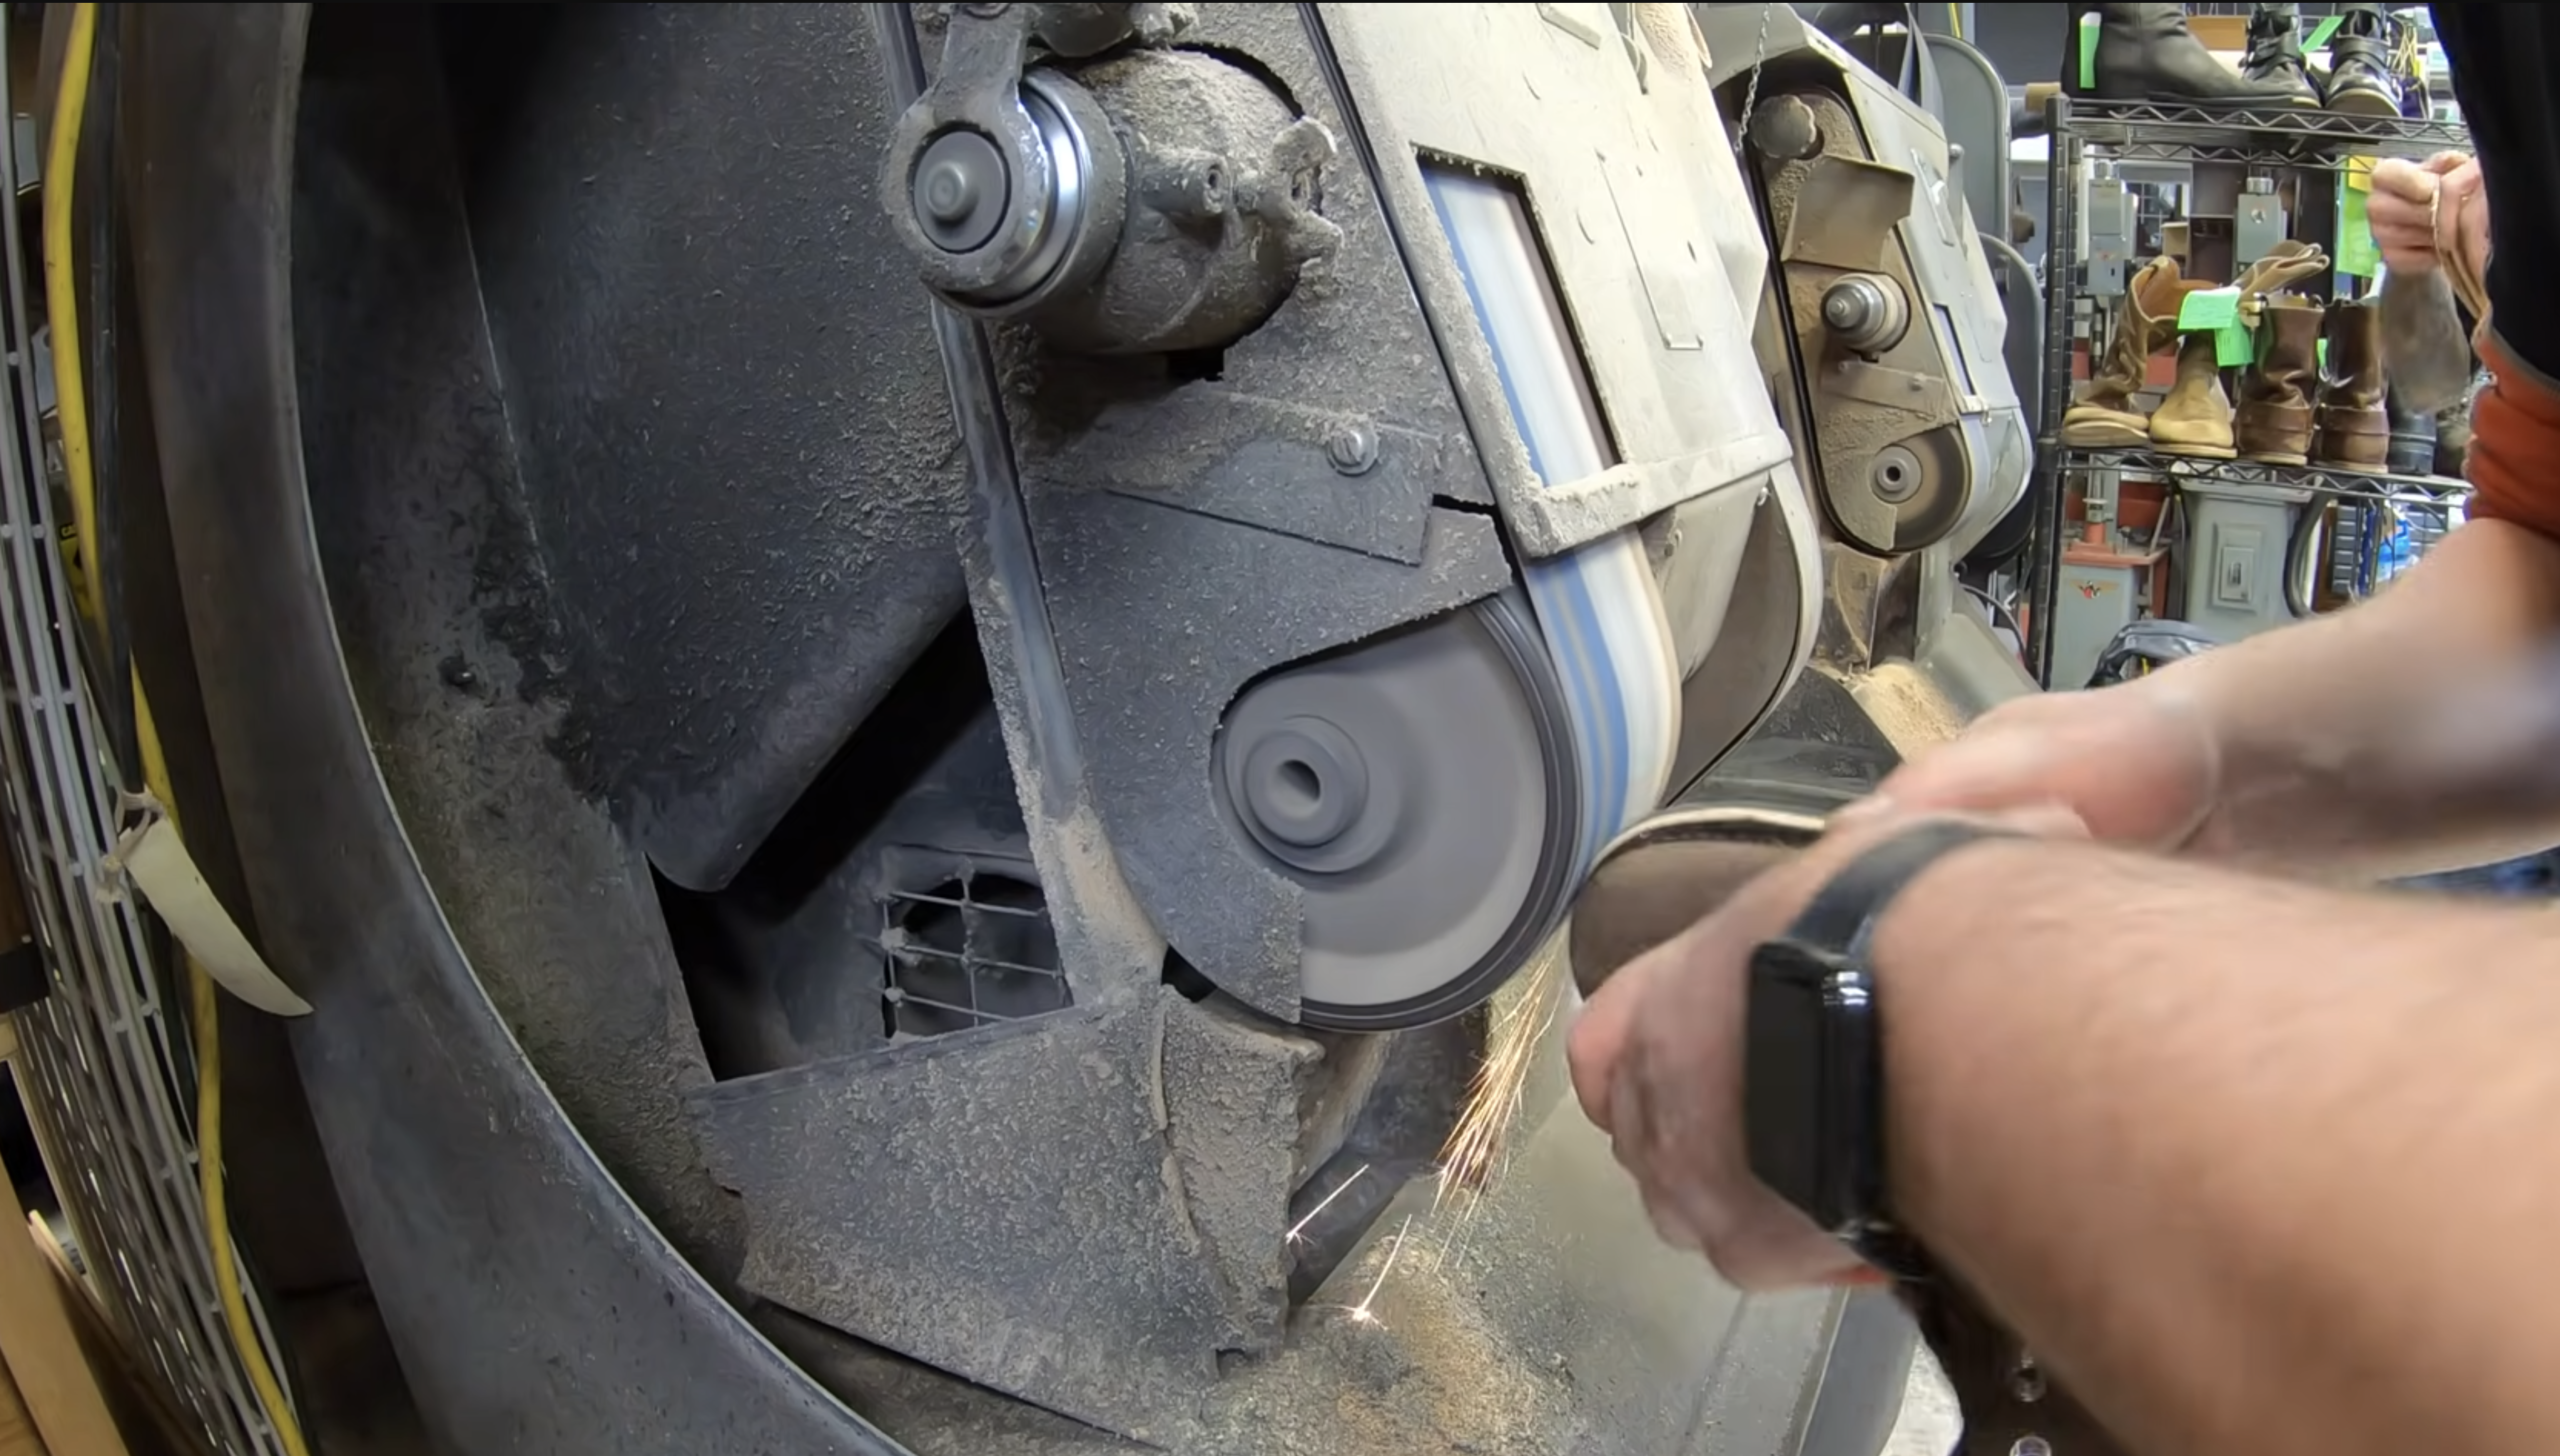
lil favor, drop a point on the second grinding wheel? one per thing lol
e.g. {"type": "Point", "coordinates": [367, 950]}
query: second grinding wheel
{"type": "Point", "coordinates": [1422, 790]}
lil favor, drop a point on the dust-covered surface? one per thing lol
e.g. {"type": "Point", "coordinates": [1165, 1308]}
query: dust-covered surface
{"type": "Point", "coordinates": [1231, 1089]}
{"type": "Point", "coordinates": [1852, 423]}
{"type": "Point", "coordinates": [1914, 714]}
{"type": "Point", "coordinates": [737, 449]}
{"type": "Point", "coordinates": [1194, 533]}
{"type": "Point", "coordinates": [443, 614]}
{"type": "Point", "coordinates": [1082, 1210]}
{"type": "Point", "coordinates": [1544, 1318]}
{"type": "Point", "coordinates": [1631, 179]}
{"type": "Point", "coordinates": [1162, 617]}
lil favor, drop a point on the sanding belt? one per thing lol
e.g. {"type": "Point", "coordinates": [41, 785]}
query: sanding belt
{"type": "Point", "coordinates": [1656, 885]}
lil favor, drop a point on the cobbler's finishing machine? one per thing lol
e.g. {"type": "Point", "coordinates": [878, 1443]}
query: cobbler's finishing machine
{"type": "Point", "coordinates": [968, 656]}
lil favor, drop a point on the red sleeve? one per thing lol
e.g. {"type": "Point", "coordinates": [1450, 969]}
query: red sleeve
{"type": "Point", "coordinates": [2515, 443]}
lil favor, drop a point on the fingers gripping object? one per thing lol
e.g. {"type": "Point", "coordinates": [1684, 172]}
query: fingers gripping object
{"type": "Point", "coordinates": [1663, 876]}
{"type": "Point", "coordinates": [1670, 872]}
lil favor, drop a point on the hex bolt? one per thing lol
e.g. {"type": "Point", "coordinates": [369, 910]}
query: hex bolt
{"type": "Point", "coordinates": [1353, 448]}
{"type": "Point", "coordinates": [2031, 1446]}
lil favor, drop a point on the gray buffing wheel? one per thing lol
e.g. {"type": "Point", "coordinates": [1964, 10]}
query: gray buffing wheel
{"type": "Point", "coordinates": [1422, 790]}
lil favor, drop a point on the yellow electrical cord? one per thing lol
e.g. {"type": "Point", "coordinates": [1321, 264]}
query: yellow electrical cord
{"type": "Point", "coordinates": [204, 1001]}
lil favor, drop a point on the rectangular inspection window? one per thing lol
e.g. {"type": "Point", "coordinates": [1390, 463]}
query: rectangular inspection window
{"type": "Point", "coordinates": [1502, 257]}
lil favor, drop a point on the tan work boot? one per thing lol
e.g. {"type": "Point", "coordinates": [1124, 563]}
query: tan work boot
{"type": "Point", "coordinates": [2273, 422]}
{"type": "Point", "coordinates": [2105, 418]}
{"type": "Point", "coordinates": [2195, 417]}
{"type": "Point", "coordinates": [2354, 432]}
{"type": "Point", "coordinates": [2281, 267]}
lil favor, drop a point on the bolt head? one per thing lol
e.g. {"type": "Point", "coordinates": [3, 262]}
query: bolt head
{"type": "Point", "coordinates": [1353, 449]}
{"type": "Point", "coordinates": [946, 192]}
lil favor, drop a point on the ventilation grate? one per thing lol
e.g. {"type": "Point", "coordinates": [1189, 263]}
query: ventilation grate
{"type": "Point", "coordinates": [974, 949]}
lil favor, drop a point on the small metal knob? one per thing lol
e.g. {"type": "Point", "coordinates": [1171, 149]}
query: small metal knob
{"type": "Point", "coordinates": [1868, 313]}
{"type": "Point", "coordinates": [960, 191]}
{"type": "Point", "coordinates": [1784, 129]}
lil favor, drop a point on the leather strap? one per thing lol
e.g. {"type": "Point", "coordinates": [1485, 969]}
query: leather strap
{"type": "Point", "coordinates": [1843, 915]}
{"type": "Point", "coordinates": [2446, 224]}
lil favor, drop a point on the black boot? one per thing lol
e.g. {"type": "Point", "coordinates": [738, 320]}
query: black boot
{"type": "Point", "coordinates": [2146, 53]}
{"type": "Point", "coordinates": [2453, 439]}
{"type": "Point", "coordinates": [2275, 53]}
{"type": "Point", "coordinates": [2413, 438]}
{"type": "Point", "coordinates": [2360, 76]}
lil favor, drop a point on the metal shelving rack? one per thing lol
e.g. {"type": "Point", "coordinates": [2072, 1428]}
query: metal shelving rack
{"type": "Point", "coordinates": [2263, 139]}
{"type": "Point", "coordinates": [2367, 485]}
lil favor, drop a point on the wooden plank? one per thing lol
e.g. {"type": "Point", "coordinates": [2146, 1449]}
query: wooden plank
{"type": "Point", "coordinates": [139, 1400]}
{"type": "Point", "coordinates": [17, 1431]}
{"type": "Point", "coordinates": [42, 1352]}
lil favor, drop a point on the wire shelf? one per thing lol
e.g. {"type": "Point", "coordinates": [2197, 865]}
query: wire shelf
{"type": "Point", "coordinates": [2266, 137]}
{"type": "Point", "coordinates": [2425, 490]}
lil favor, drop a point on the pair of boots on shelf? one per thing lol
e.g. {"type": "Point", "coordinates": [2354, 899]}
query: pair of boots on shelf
{"type": "Point", "coordinates": [2147, 53]}
{"type": "Point", "coordinates": [2375, 65]}
{"type": "Point", "coordinates": [2289, 412]}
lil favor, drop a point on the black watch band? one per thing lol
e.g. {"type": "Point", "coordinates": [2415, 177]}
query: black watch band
{"type": "Point", "coordinates": [1842, 917]}
{"type": "Point", "coordinates": [1813, 1048]}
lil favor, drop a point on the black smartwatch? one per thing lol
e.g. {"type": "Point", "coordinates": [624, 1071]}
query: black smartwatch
{"type": "Point", "coordinates": [1813, 1049]}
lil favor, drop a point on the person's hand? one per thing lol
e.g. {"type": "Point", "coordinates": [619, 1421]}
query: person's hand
{"type": "Point", "coordinates": [2409, 199]}
{"type": "Point", "coordinates": [2136, 764]}
{"type": "Point", "coordinates": [1657, 1065]}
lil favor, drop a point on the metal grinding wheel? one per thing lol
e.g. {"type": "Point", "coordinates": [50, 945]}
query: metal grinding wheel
{"type": "Point", "coordinates": [1423, 791]}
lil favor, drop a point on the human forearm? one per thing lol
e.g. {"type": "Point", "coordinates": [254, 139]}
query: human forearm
{"type": "Point", "coordinates": [2410, 733]}
{"type": "Point", "coordinates": [2255, 1167]}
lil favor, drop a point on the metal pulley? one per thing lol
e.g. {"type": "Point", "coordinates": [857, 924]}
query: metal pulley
{"type": "Point", "coordinates": [1153, 201]}
{"type": "Point", "coordinates": [1424, 792]}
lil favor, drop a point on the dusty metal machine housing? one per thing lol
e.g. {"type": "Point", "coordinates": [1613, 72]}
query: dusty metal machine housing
{"type": "Point", "coordinates": [718, 504]}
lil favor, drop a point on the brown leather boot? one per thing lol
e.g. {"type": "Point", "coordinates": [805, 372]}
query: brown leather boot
{"type": "Point", "coordinates": [2105, 417]}
{"type": "Point", "coordinates": [2195, 417]}
{"type": "Point", "coordinates": [2354, 432]}
{"type": "Point", "coordinates": [2281, 267]}
{"type": "Point", "coordinates": [2273, 422]}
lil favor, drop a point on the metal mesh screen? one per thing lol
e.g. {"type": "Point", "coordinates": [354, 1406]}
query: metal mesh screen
{"type": "Point", "coordinates": [103, 1058]}
{"type": "Point", "coordinates": [975, 949]}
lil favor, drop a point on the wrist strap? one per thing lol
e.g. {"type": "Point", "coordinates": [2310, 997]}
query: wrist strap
{"type": "Point", "coordinates": [1842, 918]}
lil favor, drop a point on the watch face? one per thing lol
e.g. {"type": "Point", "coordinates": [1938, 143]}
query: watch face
{"type": "Point", "coordinates": [1791, 1079]}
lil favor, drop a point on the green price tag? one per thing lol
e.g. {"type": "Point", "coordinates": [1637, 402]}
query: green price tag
{"type": "Point", "coordinates": [2235, 343]}
{"type": "Point", "coordinates": [2357, 256]}
{"type": "Point", "coordinates": [2088, 52]}
{"type": "Point", "coordinates": [2211, 309]}
{"type": "Point", "coordinates": [2320, 33]}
